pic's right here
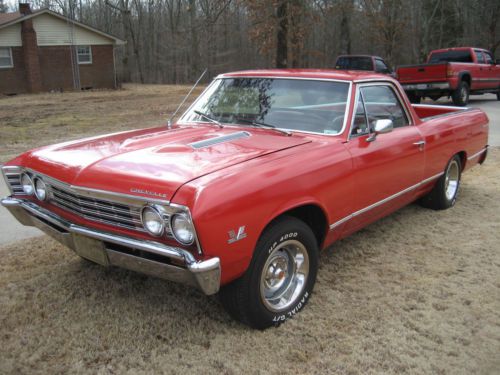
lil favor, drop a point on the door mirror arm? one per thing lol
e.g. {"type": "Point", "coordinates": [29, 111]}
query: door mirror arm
{"type": "Point", "coordinates": [381, 127]}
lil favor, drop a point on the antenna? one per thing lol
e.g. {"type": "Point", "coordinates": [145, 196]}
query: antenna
{"type": "Point", "coordinates": [169, 122]}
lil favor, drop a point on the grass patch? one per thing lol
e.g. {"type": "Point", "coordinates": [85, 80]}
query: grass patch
{"type": "Point", "coordinates": [34, 120]}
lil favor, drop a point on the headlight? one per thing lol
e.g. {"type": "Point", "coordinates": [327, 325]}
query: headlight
{"type": "Point", "coordinates": [40, 189]}
{"type": "Point", "coordinates": [152, 220]}
{"type": "Point", "coordinates": [182, 229]}
{"type": "Point", "coordinates": [27, 184]}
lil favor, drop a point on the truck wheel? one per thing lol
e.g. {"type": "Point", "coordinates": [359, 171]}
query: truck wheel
{"type": "Point", "coordinates": [498, 95]}
{"type": "Point", "coordinates": [414, 98]}
{"type": "Point", "coordinates": [280, 279]}
{"type": "Point", "coordinates": [460, 96]}
{"type": "Point", "coordinates": [445, 192]}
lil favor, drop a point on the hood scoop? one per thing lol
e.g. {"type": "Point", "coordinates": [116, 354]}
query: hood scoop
{"type": "Point", "coordinates": [217, 140]}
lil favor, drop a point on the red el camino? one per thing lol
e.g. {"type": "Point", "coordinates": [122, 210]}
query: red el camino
{"type": "Point", "coordinates": [264, 169]}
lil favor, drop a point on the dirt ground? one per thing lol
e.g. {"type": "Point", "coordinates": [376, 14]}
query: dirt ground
{"type": "Point", "coordinates": [28, 121]}
{"type": "Point", "coordinates": [417, 292]}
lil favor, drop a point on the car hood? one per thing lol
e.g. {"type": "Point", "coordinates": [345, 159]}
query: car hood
{"type": "Point", "coordinates": [154, 162]}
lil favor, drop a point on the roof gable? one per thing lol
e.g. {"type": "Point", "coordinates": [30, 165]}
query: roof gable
{"type": "Point", "coordinates": [8, 19]}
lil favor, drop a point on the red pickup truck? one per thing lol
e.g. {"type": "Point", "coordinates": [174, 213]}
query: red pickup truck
{"type": "Point", "coordinates": [266, 168]}
{"type": "Point", "coordinates": [452, 72]}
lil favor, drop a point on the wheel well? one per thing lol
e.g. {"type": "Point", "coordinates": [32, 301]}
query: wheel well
{"type": "Point", "coordinates": [466, 77]}
{"type": "Point", "coordinates": [463, 158]}
{"type": "Point", "coordinates": [313, 216]}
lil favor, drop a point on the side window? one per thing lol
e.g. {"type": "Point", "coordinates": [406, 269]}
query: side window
{"type": "Point", "coordinates": [381, 67]}
{"type": "Point", "coordinates": [84, 55]}
{"type": "Point", "coordinates": [480, 57]}
{"type": "Point", "coordinates": [359, 124]}
{"type": "Point", "coordinates": [381, 103]}
{"type": "Point", "coordinates": [488, 57]}
{"type": "Point", "coordinates": [6, 58]}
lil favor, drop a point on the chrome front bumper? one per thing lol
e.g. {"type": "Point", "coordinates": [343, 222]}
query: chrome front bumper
{"type": "Point", "coordinates": [149, 257]}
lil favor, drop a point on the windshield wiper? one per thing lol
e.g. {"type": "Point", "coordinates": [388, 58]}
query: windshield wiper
{"type": "Point", "coordinates": [263, 125]}
{"type": "Point", "coordinates": [210, 119]}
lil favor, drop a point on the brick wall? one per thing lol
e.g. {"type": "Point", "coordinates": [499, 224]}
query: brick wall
{"type": "Point", "coordinates": [55, 65]}
{"type": "Point", "coordinates": [13, 80]}
{"type": "Point", "coordinates": [55, 71]}
{"type": "Point", "coordinates": [99, 74]}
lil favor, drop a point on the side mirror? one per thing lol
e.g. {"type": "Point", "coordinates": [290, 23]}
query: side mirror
{"type": "Point", "coordinates": [381, 127]}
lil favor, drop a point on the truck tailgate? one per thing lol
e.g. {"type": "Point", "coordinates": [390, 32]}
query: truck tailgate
{"type": "Point", "coordinates": [422, 73]}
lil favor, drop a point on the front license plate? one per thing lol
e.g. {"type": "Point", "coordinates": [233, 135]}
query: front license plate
{"type": "Point", "coordinates": [90, 249]}
{"type": "Point", "coordinates": [421, 87]}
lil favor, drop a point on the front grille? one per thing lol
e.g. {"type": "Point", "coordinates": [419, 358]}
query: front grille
{"type": "Point", "coordinates": [14, 180]}
{"type": "Point", "coordinates": [101, 207]}
{"type": "Point", "coordinates": [99, 210]}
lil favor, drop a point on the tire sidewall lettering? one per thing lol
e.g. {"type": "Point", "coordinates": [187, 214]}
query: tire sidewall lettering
{"type": "Point", "coordinates": [292, 311]}
{"type": "Point", "coordinates": [283, 238]}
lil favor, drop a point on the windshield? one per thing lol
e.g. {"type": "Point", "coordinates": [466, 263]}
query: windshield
{"type": "Point", "coordinates": [291, 104]}
{"type": "Point", "coordinates": [451, 56]}
{"type": "Point", "coordinates": [354, 63]}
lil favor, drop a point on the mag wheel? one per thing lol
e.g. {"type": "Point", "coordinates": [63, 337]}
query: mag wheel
{"type": "Point", "coordinates": [461, 95]}
{"type": "Point", "coordinates": [445, 192]}
{"type": "Point", "coordinates": [280, 278]}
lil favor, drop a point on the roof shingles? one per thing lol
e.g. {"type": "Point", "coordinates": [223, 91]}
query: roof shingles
{"type": "Point", "coordinates": [7, 17]}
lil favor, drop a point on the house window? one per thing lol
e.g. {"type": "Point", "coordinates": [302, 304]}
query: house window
{"type": "Point", "coordinates": [6, 57]}
{"type": "Point", "coordinates": [84, 54]}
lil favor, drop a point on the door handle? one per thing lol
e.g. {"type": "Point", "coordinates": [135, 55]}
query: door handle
{"type": "Point", "coordinates": [420, 144]}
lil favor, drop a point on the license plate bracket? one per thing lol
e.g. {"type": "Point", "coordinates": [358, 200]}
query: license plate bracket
{"type": "Point", "coordinates": [90, 249]}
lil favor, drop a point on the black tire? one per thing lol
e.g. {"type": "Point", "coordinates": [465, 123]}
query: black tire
{"type": "Point", "coordinates": [438, 198]}
{"type": "Point", "coordinates": [498, 95]}
{"type": "Point", "coordinates": [244, 299]}
{"type": "Point", "coordinates": [414, 98]}
{"type": "Point", "coordinates": [460, 96]}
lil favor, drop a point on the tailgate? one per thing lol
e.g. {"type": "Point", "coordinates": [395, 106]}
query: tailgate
{"type": "Point", "coordinates": [422, 73]}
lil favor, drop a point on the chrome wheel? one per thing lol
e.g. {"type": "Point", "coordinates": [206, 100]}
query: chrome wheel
{"type": "Point", "coordinates": [452, 180]}
{"type": "Point", "coordinates": [284, 275]}
{"type": "Point", "coordinates": [463, 94]}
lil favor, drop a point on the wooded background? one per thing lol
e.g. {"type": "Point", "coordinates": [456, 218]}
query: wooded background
{"type": "Point", "coordinates": [172, 41]}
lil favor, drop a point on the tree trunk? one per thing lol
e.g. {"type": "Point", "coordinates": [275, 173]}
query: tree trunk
{"type": "Point", "coordinates": [282, 35]}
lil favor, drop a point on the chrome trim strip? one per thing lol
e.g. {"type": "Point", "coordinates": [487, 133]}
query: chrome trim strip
{"type": "Point", "coordinates": [91, 192]}
{"type": "Point", "coordinates": [219, 139]}
{"type": "Point", "coordinates": [477, 154]}
{"type": "Point", "coordinates": [383, 201]}
{"type": "Point", "coordinates": [440, 106]}
{"type": "Point", "coordinates": [10, 170]}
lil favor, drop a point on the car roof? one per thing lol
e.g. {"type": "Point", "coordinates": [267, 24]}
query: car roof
{"type": "Point", "coordinates": [369, 56]}
{"type": "Point", "coordinates": [326, 74]}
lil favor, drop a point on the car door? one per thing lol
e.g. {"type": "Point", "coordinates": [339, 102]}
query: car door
{"type": "Point", "coordinates": [387, 170]}
{"type": "Point", "coordinates": [481, 73]}
{"type": "Point", "coordinates": [492, 77]}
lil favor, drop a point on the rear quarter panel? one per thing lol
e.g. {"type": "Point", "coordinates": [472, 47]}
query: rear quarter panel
{"type": "Point", "coordinates": [446, 135]}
